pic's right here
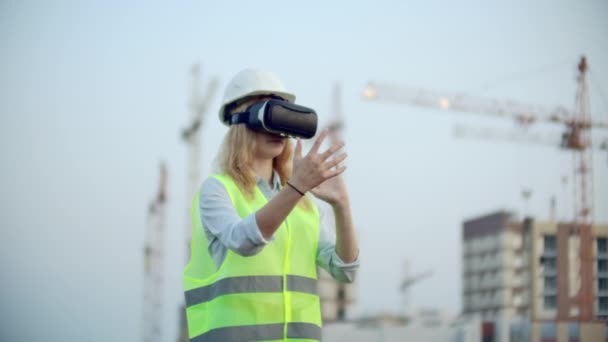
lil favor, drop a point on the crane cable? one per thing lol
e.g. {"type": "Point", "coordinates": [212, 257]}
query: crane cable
{"type": "Point", "coordinates": [525, 75]}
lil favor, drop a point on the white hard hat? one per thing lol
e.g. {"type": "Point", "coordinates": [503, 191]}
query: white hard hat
{"type": "Point", "coordinates": [251, 82]}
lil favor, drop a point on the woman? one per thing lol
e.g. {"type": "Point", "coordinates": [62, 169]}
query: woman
{"type": "Point", "coordinates": [257, 236]}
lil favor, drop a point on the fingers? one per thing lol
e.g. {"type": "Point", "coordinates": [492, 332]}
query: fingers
{"type": "Point", "coordinates": [333, 149]}
{"type": "Point", "coordinates": [315, 168]}
{"type": "Point", "coordinates": [298, 151]}
{"type": "Point", "coordinates": [336, 172]}
{"type": "Point", "coordinates": [319, 141]}
{"type": "Point", "coordinates": [335, 161]}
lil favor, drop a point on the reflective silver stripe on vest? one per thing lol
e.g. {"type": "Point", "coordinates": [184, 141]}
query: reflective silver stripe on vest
{"type": "Point", "coordinates": [301, 284]}
{"type": "Point", "coordinates": [225, 286]}
{"type": "Point", "coordinates": [260, 332]}
{"type": "Point", "coordinates": [249, 284]}
{"type": "Point", "coordinates": [303, 330]}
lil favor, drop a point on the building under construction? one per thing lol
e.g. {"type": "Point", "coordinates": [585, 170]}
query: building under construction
{"type": "Point", "coordinates": [535, 281]}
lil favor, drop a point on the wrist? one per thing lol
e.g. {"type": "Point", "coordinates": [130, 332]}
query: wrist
{"type": "Point", "coordinates": [295, 188]}
{"type": "Point", "coordinates": [341, 203]}
{"type": "Point", "coordinates": [298, 185]}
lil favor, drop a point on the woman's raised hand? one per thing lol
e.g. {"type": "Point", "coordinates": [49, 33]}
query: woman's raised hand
{"type": "Point", "coordinates": [315, 168]}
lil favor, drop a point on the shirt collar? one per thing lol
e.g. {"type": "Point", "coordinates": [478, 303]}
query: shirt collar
{"type": "Point", "coordinates": [275, 183]}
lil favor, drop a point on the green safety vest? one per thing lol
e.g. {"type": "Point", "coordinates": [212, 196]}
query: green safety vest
{"type": "Point", "coordinates": [271, 296]}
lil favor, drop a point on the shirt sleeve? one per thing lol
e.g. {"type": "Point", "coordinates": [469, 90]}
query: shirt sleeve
{"type": "Point", "coordinates": [327, 257]}
{"type": "Point", "coordinates": [224, 225]}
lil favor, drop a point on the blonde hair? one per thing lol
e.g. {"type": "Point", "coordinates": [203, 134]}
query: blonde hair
{"type": "Point", "coordinates": [236, 154]}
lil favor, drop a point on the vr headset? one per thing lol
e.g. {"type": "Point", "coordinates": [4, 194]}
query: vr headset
{"type": "Point", "coordinates": [278, 117]}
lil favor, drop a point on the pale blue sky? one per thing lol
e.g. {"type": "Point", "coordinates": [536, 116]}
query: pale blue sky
{"type": "Point", "coordinates": [95, 94]}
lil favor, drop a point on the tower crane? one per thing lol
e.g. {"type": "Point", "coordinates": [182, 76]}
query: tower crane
{"type": "Point", "coordinates": [191, 135]}
{"type": "Point", "coordinates": [336, 297]}
{"type": "Point", "coordinates": [577, 123]}
{"type": "Point", "coordinates": [154, 256]}
{"type": "Point", "coordinates": [407, 282]}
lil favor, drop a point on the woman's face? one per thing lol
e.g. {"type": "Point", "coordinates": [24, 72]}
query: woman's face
{"type": "Point", "coordinates": [269, 146]}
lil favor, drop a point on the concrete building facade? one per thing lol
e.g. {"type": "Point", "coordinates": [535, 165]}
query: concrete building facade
{"type": "Point", "coordinates": [535, 281]}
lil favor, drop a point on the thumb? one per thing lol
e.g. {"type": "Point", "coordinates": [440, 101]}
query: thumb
{"type": "Point", "coordinates": [298, 151]}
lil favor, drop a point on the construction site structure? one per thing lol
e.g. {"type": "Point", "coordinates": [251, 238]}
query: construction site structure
{"type": "Point", "coordinates": [407, 282]}
{"type": "Point", "coordinates": [336, 297]}
{"type": "Point", "coordinates": [524, 279]}
{"type": "Point", "coordinates": [575, 245]}
{"type": "Point", "coordinates": [576, 138]}
{"type": "Point", "coordinates": [154, 258]}
{"type": "Point", "coordinates": [191, 135]}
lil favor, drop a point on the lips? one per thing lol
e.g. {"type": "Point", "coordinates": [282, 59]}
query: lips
{"type": "Point", "coordinates": [275, 139]}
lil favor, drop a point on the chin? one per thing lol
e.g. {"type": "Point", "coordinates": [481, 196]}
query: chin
{"type": "Point", "coordinates": [270, 153]}
{"type": "Point", "coordinates": [275, 153]}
